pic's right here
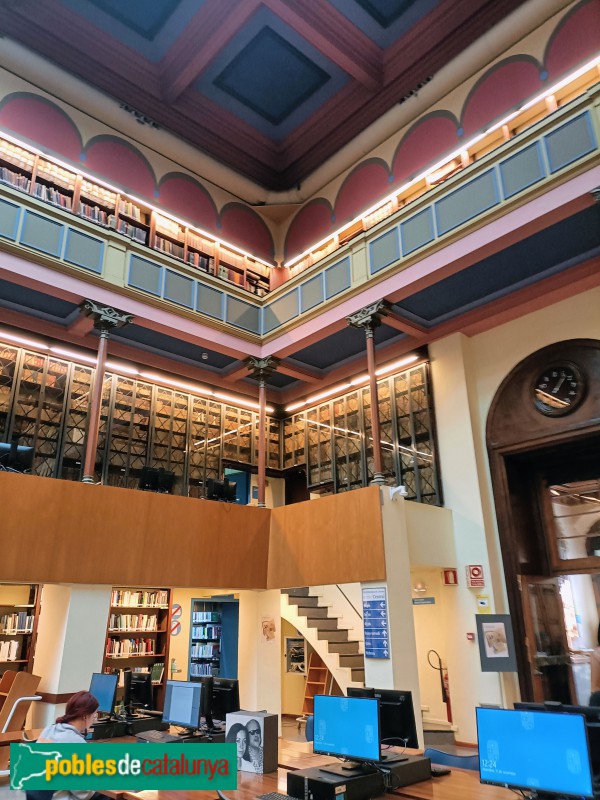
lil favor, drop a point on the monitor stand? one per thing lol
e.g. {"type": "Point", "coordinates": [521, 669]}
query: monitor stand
{"type": "Point", "coordinates": [349, 769]}
{"type": "Point", "coordinates": [389, 757]}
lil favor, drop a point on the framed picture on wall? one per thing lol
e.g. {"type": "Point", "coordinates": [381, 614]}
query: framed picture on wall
{"type": "Point", "coordinates": [496, 643]}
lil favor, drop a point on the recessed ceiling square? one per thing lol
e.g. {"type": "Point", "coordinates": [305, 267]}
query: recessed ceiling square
{"type": "Point", "coordinates": [271, 76]}
{"type": "Point", "coordinates": [385, 12]}
{"type": "Point", "coordinates": [145, 18]}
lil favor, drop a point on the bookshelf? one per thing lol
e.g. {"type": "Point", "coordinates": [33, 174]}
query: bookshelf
{"type": "Point", "coordinates": [213, 638]}
{"type": "Point", "coordinates": [137, 634]}
{"type": "Point", "coordinates": [19, 614]}
{"type": "Point", "coordinates": [318, 681]}
{"type": "Point", "coordinates": [67, 189]}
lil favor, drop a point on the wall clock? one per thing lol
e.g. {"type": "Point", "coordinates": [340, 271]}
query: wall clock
{"type": "Point", "coordinates": [559, 388]}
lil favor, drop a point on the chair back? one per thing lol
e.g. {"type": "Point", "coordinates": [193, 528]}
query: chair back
{"type": "Point", "coordinates": [309, 731]}
{"type": "Point", "coordinates": [23, 685]}
{"type": "Point", "coordinates": [6, 681]}
{"type": "Point", "coordinates": [470, 761]}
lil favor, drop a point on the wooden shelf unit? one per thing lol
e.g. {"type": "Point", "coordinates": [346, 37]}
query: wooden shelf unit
{"type": "Point", "coordinates": [318, 681]}
{"type": "Point", "coordinates": [139, 619]}
{"type": "Point", "coordinates": [19, 615]}
{"type": "Point", "coordinates": [51, 183]}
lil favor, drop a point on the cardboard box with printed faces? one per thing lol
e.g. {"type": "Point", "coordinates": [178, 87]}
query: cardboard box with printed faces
{"type": "Point", "coordinates": [255, 734]}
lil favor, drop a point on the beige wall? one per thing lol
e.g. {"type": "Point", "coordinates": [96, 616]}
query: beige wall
{"type": "Point", "coordinates": [293, 684]}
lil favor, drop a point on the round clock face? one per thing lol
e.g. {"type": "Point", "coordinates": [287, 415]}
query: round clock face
{"type": "Point", "coordinates": [559, 389]}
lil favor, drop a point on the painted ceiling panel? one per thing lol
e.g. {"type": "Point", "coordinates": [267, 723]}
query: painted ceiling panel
{"type": "Point", "coordinates": [34, 302]}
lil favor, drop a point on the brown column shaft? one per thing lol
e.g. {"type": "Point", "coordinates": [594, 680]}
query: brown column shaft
{"type": "Point", "coordinates": [262, 441]}
{"type": "Point", "coordinates": [95, 407]}
{"type": "Point", "coordinates": [377, 457]}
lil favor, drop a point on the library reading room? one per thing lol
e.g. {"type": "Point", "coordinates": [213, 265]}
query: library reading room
{"type": "Point", "coordinates": [300, 395]}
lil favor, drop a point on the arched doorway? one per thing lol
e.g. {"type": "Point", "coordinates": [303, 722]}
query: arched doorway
{"type": "Point", "coordinates": [543, 439]}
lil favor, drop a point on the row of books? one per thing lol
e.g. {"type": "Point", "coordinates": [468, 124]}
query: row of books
{"type": "Point", "coordinates": [130, 209]}
{"type": "Point", "coordinates": [166, 246]}
{"type": "Point", "coordinates": [9, 650]}
{"type": "Point", "coordinates": [51, 195]}
{"type": "Point", "coordinates": [131, 230]}
{"type": "Point", "coordinates": [133, 622]}
{"type": "Point", "coordinates": [200, 261]}
{"type": "Point", "coordinates": [206, 616]}
{"type": "Point", "coordinates": [204, 651]}
{"type": "Point", "coordinates": [15, 179]}
{"type": "Point", "coordinates": [155, 598]}
{"type": "Point", "coordinates": [157, 671]}
{"type": "Point", "coordinates": [121, 648]}
{"type": "Point", "coordinates": [199, 670]}
{"type": "Point", "coordinates": [206, 632]}
{"type": "Point", "coordinates": [18, 622]}
{"type": "Point", "coordinates": [93, 213]}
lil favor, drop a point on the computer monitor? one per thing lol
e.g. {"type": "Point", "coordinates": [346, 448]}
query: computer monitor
{"type": "Point", "coordinates": [156, 479]}
{"type": "Point", "coordinates": [183, 704]}
{"type": "Point", "coordinates": [206, 681]}
{"type": "Point", "coordinates": [16, 457]}
{"type": "Point", "coordinates": [225, 697]}
{"type": "Point", "coordinates": [223, 490]}
{"type": "Point", "coordinates": [396, 714]}
{"type": "Point", "coordinates": [536, 751]}
{"type": "Point", "coordinates": [104, 688]}
{"type": "Point", "coordinates": [346, 727]}
{"type": "Point", "coordinates": [137, 691]}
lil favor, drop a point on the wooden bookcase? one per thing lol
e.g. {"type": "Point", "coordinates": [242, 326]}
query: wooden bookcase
{"type": "Point", "coordinates": [51, 183]}
{"type": "Point", "coordinates": [137, 634]}
{"type": "Point", "coordinates": [19, 614]}
{"type": "Point", "coordinates": [318, 681]}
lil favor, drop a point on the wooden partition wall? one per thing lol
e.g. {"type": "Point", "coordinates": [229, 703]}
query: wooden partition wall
{"type": "Point", "coordinates": [56, 531]}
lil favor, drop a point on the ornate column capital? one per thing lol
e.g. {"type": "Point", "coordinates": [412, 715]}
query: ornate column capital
{"type": "Point", "coordinates": [369, 317]}
{"type": "Point", "coordinates": [261, 368]}
{"type": "Point", "coordinates": [105, 318]}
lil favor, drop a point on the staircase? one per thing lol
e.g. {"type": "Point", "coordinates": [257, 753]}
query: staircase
{"type": "Point", "coordinates": [339, 645]}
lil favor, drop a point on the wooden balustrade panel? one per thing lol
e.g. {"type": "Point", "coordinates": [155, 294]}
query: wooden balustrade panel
{"type": "Point", "coordinates": [60, 531]}
{"type": "Point", "coordinates": [336, 539]}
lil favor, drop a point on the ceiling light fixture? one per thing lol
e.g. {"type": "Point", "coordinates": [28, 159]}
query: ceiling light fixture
{"type": "Point", "coordinates": [23, 340]}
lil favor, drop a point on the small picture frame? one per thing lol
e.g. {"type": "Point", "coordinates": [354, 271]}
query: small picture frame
{"type": "Point", "coordinates": [496, 643]}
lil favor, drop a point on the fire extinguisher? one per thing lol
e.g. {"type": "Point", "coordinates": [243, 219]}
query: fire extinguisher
{"type": "Point", "coordinates": [444, 683]}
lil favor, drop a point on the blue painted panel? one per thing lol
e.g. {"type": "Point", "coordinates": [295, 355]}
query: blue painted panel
{"type": "Point", "coordinates": [84, 250]}
{"type": "Point", "coordinates": [242, 315]}
{"type": "Point", "coordinates": [10, 214]}
{"type": "Point", "coordinates": [210, 301]}
{"type": "Point", "coordinates": [522, 170]}
{"type": "Point", "coordinates": [179, 289]}
{"type": "Point", "coordinates": [467, 202]}
{"type": "Point", "coordinates": [417, 231]}
{"type": "Point", "coordinates": [337, 278]}
{"type": "Point", "coordinates": [384, 250]}
{"type": "Point", "coordinates": [145, 275]}
{"type": "Point", "coordinates": [311, 293]}
{"type": "Point", "coordinates": [573, 140]}
{"type": "Point", "coordinates": [280, 311]}
{"type": "Point", "coordinates": [43, 234]}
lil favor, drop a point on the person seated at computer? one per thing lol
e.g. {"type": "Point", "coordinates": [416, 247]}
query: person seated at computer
{"type": "Point", "coordinates": [80, 714]}
{"type": "Point", "coordinates": [255, 750]}
{"type": "Point", "coordinates": [238, 734]}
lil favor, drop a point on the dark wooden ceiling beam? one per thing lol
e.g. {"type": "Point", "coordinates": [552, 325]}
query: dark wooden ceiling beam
{"type": "Point", "coordinates": [399, 323]}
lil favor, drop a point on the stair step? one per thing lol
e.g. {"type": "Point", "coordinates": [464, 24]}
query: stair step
{"type": "Point", "coordinates": [344, 648]}
{"type": "Point", "coordinates": [296, 599]}
{"type": "Point", "coordinates": [301, 591]}
{"type": "Point", "coordinates": [358, 676]}
{"type": "Point", "coordinates": [322, 623]}
{"type": "Point", "coordinates": [357, 660]}
{"type": "Point", "coordinates": [313, 611]}
{"type": "Point", "coordinates": [333, 635]}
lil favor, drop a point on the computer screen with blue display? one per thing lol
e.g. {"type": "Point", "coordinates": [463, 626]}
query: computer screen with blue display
{"type": "Point", "coordinates": [541, 752]}
{"type": "Point", "coordinates": [104, 688]}
{"type": "Point", "coordinates": [346, 727]}
{"type": "Point", "coordinates": [183, 704]}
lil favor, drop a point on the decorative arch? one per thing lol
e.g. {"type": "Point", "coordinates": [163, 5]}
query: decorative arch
{"type": "Point", "coordinates": [424, 144]}
{"type": "Point", "coordinates": [311, 224]}
{"type": "Point", "coordinates": [122, 164]}
{"type": "Point", "coordinates": [363, 187]}
{"type": "Point", "coordinates": [242, 226]}
{"type": "Point", "coordinates": [503, 88]}
{"type": "Point", "coordinates": [574, 40]}
{"type": "Point", "coordinates": [40, 121]}
{"type": "Point", "coordinates": [187, 198]}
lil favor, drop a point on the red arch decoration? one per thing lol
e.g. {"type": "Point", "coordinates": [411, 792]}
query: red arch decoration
{"type": "Point", "coordinates": [186, 198]}
{"type": "Point", "coordinates": [575, 39]}
{"type": "Point", "coordinates": [121, 164]}
{"type": "Point", "coordinates": [364, 186]}
{"type": "Point", "coordinates": [503, 88]}
{"type": "Point", "coordinates": [424, 144]}
{"type": "Point", "coordinates": [311, 224]}
{"type": "Point", "coordinates": [243, 227]}
{"type": "Point", "coordinates": [41, 121]}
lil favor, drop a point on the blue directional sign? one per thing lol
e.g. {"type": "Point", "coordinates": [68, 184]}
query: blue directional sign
{"type": "Point", "coordinates": [375, 622]}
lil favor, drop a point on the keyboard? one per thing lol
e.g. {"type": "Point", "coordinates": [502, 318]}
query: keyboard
{"type": "Point", "coordinates": [276, 796]}
{"type": "Point", "coordinates": [157, 736]}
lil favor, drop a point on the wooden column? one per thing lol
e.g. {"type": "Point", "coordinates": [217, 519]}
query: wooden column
{"type": "Point", "coordinates": [261, 368]}
{"type": "Point", "coordinates": [368, 318]}
{"type": "Point", "coordinates": [105, 319]}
